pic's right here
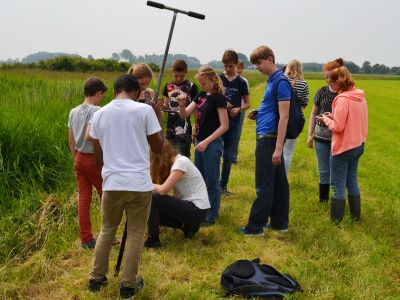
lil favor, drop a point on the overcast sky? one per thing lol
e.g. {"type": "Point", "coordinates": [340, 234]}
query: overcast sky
{"type": "Point", "coordinates": [309, 30]}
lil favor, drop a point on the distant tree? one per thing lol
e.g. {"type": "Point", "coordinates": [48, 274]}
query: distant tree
{"type": "Point", "coordinates": [90, 56]}
{"type": "Point", "coordinates": [245, 60]}
{"type": "Point", "coordinates": [216, 64]}
{"type": "Point", "coordinates": [115, 56]}
{"type": "Point", "coordinates": [395, 70]}
{"type": "Point", "coordinates": [39, 56]}
{"type": "Point", "coordinates": [380, 69]}
{"type": "Point", "coordinates": [366, 67]}
{"type": "Point", "coordinates": [312, 67]}
{"type": "Point", "coordinates": [127, 55]}
{"type": "Point", "coordinates": [154, 67]}
{"type": "Point", "coordinates": [352, 67]}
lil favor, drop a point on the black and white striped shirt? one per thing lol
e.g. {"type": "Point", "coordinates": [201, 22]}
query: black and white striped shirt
{"type": "Point", "coordinates": [301, 88]}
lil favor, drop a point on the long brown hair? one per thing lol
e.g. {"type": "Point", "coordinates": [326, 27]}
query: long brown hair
{"type": "Point", "coordinates": [334, 64]}
{"type": "Point", "coordinates": [343, 79]}
{"type": "Point", "coordinates": [209, 73]}
{"type": "Point", "coordinates": [294, 71]}
{"type": "Point", "coordinates": [161, 164]}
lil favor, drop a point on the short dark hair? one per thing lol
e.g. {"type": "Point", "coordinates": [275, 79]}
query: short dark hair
{"type": "Point", "coordinates": [179, 66]}
{"type": "Point", "coordinates": [230, 56]}
{"type": "Point", "coordinates": [262, 52]}
{"type": "Point", "coordinates": [126, 83]}
{"type": "Point", "coordinates": [94, 85]}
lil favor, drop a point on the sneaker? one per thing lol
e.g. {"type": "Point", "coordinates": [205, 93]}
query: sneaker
{"type": "Point", "coordinates": [247, 232]}
{"type": "Point", "coordinates": [189, 230]}
{"type": "Point", "coordinates": [207, 223]}
{"type": "Point", "coordinates": [89, 245]}
{"type": "Point", "coordinates": [225, 192]}
{"type": "Point", "coordinates": [128, 293]}
{"type": "Point", "coordinates": [95, 285]}
{"type": "Point", "coordinates": [152, 242]}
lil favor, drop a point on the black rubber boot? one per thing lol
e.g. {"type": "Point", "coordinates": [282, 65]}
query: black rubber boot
{"type": "Point", "coordinates": [323, 192]}
{"type": "Point", "coordinates": [355, 207]}
{"type": "Point", "coordinates": [337, 210]}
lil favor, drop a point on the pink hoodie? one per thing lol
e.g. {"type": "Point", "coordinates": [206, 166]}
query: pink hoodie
{"type": "Point", "coordinates": [349, 123]}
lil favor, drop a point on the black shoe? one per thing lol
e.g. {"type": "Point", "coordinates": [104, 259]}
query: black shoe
{"type": "Point", "coordinates": [337, 210]}
{"type": "Point", "coordinates": [189, 230]}
{"type": "Point", "coordinates": [152, 242]}
{"type": "Point", "coordinates": [89, 245]}
{"type": "Point", "coordinates": [225, 192]}
{"type": "Point", "coordinates": [355, 207]}
{"type": "Point", "coordinates": [95, 285]}
{"type": "Point", "coordinates": [128, 293]}
{"type": "Point", "coordinates": [324, 192]}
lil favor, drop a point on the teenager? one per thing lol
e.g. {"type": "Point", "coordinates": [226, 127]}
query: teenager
{"type": "Point", "coordinates": [88, 174]}
{"type": "Point", "coordinates": [319, 133]}
{"type": "Point", "coordinates": [123, 132]}
{"type": "Point", "coordinates": [236, 90]}
{"type": "Point", "coordinates": [179, 131]}
{"type": "Point", "coordinates": [294, 71]}
{"type": "Point", "coordinates": [188, 207]}
{"type": "Point", "coordinates": [211, 123]}
{"type": "Point", "coordinates": [272, 187]}
{"type": "Point", "coordinates": [349, 125]}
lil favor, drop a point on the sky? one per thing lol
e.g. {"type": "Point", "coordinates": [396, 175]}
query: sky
{"type": "Point", "coordinates": [308, 30]}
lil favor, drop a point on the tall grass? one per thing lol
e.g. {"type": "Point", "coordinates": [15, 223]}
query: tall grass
{"type": "Point", "coordinates": [38, 225]}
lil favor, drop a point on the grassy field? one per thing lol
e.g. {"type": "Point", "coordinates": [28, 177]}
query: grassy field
{"type": "Point", "coordinates": [39, 253]}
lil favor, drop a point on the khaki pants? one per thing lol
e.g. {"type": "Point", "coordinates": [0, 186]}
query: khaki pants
{"type": "Point", "coordinates": [137, 206]}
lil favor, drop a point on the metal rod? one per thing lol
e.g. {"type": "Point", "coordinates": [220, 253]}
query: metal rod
{"type": "Point", "coordinates": [165, 57]}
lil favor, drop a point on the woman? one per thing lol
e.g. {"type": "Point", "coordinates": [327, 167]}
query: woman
{"type": "Point", "coordinates": [211, 123]}
{"type": "Point", "coordinates": [188, 208]}
{"type": "Point", "coordinates": [349, 125]}
{"type": "Point", "coordinates": [294, 71]}
{"type": "Point", "coordinates": [320, 133]}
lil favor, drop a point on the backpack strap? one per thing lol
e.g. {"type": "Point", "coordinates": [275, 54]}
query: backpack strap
{"type": "Point", "coordinates": [256, 290]}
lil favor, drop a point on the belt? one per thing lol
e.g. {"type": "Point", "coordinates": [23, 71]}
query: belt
{"type": "Point", "coordinates": [268, 135]}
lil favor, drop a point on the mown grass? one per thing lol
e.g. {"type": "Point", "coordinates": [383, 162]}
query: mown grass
{"type": "Point", "coordinates": [351, 262]}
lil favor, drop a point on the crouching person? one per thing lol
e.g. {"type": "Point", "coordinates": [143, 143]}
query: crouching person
{"type": "Point", "coordinates": [123, 132]}
{"type": "Point", "coordinates": [188, 208]}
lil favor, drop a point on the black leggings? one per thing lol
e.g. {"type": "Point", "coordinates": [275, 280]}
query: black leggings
{"type": "Point", "coordinates": [173, 212]}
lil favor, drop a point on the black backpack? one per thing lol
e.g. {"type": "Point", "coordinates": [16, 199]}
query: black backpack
{"type": "Point", "coordinates": [296, 117]}
{"type": "Point", "coordinates": [251, 279]}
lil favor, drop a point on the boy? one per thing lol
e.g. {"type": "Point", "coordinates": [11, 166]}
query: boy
{"type": "Point", "coordinates": [122, 132]}
{"type": "Point", "coordinates": [88, 174]}
{"type": "Point", "coordinates": [239, 70]}
{"type": "Point", "coordinates": [272, 187]}
{"type": "Point", "coordinates": [179, 131]}
{"type": "Point", "coordinates": [235, 90]}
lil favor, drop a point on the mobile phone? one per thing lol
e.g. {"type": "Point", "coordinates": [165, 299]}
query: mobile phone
{"type": "Point", "coordinates": [254, 112]}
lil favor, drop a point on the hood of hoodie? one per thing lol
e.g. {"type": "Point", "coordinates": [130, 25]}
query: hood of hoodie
{"type": "Point", "coordinates": [355, 95]}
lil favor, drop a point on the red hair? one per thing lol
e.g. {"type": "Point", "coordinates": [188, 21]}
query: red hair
{"type": "Point", "coordinates": [334, 64]}
{"type": "Point", "coordinates": [343, 79]}
{"type": "Point", "coordinates": [160, 164]}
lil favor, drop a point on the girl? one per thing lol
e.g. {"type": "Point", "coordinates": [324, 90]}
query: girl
{"type": "Point", "coordinates": [321, 134]}
{"type": "Point", "coordinates": [211, 123]}
{"type": "Point", "coordinates": [349, 125]}
{"type": "Point", "coordinates": [294, 71]}
{"type": "Point", "coordinates": [188, 208]}
{"type": "Point", "coordinates": [144, 75]}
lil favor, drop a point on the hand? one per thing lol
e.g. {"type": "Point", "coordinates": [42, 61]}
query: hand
{"type": "Point", "coordinates": [320, 118]}
{"type": "Point", "coordinates": [229, 106]}
{"type": "Point", "coordinates": [328, 114]}
{"type": "Point", "coordinates": [276, 157]}
{"type": "Point", "coordinates": [202, 146]}
{"type": "Point", "coordinates": [234, 112]}
{"type": "Point", "coordinates": [252, 115]}
{"type": "Point", "coordinates": [310, 141]}
{"type": "Point", "coordinates": [182, 99]}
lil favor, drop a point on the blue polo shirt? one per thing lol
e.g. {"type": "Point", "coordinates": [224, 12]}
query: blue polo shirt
{"type": "Point", "coordinates": [267, 116]}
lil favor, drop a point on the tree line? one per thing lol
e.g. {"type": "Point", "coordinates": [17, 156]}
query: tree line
{"type": "Point", "coordinates": [120, 61]}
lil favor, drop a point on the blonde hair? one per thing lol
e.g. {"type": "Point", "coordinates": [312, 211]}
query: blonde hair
{"type": "Point", "coordinates": [343, 79]}
{"type": "Point", "coordinates": [209, 73]}
{"type": "Point", "coordinates": [141, 71]}
{"type": "Point", "coordinates": [160, 164]}
{"type": "Point", "coordinates": [294, 71]}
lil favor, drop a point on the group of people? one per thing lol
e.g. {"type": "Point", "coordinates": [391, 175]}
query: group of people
{"type": "Point", "coordinates": [120, 150]}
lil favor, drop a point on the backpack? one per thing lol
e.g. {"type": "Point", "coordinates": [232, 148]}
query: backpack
{"type": "Point", "coordinates": [252, 279]}
{"type": "Point", "coordinates": [296, 117]}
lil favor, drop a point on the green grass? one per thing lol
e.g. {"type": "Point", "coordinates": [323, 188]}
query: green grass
{"type": "Point", "coordinates": [40, 254]}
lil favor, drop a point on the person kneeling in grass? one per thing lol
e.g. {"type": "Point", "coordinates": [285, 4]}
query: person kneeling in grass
{"type": "Point", "coordinates": [188, 208]}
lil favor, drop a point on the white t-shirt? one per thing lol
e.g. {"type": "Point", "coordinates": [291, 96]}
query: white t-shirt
{"type": "Point", "coordinates": [122, 127]}
{"type": "Point", "coordinates": [191, 186]}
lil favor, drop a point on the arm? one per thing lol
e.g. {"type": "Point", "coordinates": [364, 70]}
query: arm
{"type": "Point", "coordinates": [283, 107]}
{"type": "Point", "coordinates": [224, 127]}
{"type": "Point", "coordinates": [305, 96]}
{"type": "Point", "coordinates": [246, 102]}
{"type": "Point", "coordinates": [311, 125]}
{"type": "Point", "coordinates": [184, 111]}
{"type": "Point", "coordinates": [98, 153]}
{"type": "Point", "coordinates": [71, 141]}
{"type": "Point", "coordinates": [156, 142]}
{"type": "Point", "coordinates": [87, 134]}
{"type": "Point", "coordinates": [338, 122]}
{"type": "Point", "coordinates": [169, 184]}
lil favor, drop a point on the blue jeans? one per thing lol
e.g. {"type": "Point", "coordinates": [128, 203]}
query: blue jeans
{"type": "Point", "coordinates": [288, 149]}
{"type": "Point", "coordinates": [344, 173]}
{"type": "Point", "coordinates": [272, 190]}
{"type": "Point", "coordinates": [230, 139]}
{"type": "Point", "coordinates": [239, 133]}
{"type": "Point", "coordinates": [323, 151]}
{"type": "Point", "coordinates": [208, 163]}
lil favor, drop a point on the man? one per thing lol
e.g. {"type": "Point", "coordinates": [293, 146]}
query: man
{"type": "Point", "coordinates": [122, 132]}
{"type": "Point", "coordinates": [272, 187]}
